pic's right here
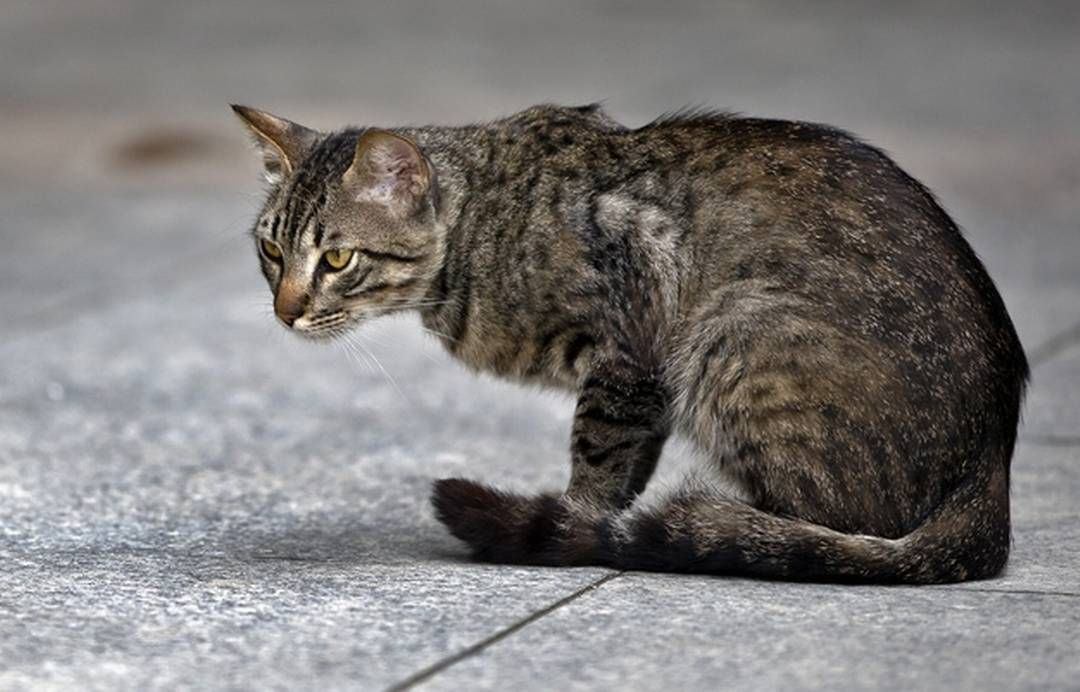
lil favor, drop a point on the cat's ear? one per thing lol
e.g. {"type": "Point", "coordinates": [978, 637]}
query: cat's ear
{"type": "Point", "coordinates": [283, 143]}
{"type": "Point", "coordinates": [388, 169]}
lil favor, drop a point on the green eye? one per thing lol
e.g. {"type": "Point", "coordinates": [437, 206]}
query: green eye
{"type": "Point", "coordinates": [337, 259]}
{"type": "Point", "coordinates": [270, 249]}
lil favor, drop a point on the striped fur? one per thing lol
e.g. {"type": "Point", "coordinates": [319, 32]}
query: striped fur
{"type": "Point", "coordinates": [779, 293]}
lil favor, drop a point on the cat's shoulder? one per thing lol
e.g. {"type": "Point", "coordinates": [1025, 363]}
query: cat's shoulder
{"type": "Point", "coordinates": [548, 115]}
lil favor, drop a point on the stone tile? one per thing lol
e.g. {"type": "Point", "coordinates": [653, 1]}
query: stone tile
{"type": "Point", "coordinates": [171, 418]}
{"type": "Point", "coordinates": [672, 632]}
{"type": "Point", "coordinates": [1033, 261]}
{"type": "Point", "coordinates": [73, 255]}
{"type": "Point", "coordinates": [102, 617]}
{"type": "Point", "coordinates": [661, 632]}
{"type": "Point", "coordinates": [1053, 404]}
{"type": "Point", "coordinates": [1045, 482]}
{"type": "Point", "coordinates": [189, 499]}
{"type": "Point", "coordinates": [1046, 522]}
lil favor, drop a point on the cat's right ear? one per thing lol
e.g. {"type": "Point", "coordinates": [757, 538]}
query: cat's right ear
{"type": "Point", "coordinates": [283, 143]}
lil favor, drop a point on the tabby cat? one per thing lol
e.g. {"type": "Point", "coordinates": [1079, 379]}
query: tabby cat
{"type": "Point", "coordinates": [779, 293]}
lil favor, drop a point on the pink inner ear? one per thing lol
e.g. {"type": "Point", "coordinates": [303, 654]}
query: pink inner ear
{"type": "Point", "coordinates": [397, 163]}
{"type": "Point", "coordinates": [402, 169]}
{"type": "Point", "coordinates": [395, 158]}
{"type": "Point", "coordinates": [388, 169]}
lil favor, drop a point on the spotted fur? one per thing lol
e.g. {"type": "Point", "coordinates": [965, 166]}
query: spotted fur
{"type": "Point", "coordinates": [779, 293]}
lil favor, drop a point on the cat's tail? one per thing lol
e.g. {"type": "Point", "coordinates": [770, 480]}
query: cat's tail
{"type": "Point", "coordinates": [701, 530]}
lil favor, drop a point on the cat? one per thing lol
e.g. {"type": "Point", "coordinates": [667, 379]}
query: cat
{"type": "Point", "coordinates": [779, 293]}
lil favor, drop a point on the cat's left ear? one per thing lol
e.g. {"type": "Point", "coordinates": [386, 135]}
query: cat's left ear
{"type": "Point", "coordinates": [283, 143]}
{"type": "Point", "coordinates": [388, 169]}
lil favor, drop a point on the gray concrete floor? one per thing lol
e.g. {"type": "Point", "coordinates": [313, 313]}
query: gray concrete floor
{"type": "Point", "coordinates": [191, 499]}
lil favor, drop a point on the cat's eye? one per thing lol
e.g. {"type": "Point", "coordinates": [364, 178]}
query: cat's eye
{"type": "Point", "coordinates": [270, 249]}
{"type": "Point", "coordinates": [337, 259]}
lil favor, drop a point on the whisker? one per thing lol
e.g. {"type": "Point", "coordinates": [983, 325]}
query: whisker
{"type": "Point", "coordinates": [378, 340]}
{"type": "Point", "coordinates": [438, 334]}
{"type": "Point", "coordinates": [353, 355]}
{"type": "Point", "coordinates": [360, 354]}
{"type": "Point", "coordinates": [384, 370]}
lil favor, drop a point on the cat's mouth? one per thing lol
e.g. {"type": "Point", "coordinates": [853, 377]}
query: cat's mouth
{"type": "Point", "coordinates": [321, 327]}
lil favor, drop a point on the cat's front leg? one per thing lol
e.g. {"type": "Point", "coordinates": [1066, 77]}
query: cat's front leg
{"type": "Point", "coordinates": [620, 424]}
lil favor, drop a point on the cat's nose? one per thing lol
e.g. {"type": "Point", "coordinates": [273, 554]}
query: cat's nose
{"type": "Point", "coordinates": [289, 305]}
{"type": "Point", "coordinates": [289, 317]}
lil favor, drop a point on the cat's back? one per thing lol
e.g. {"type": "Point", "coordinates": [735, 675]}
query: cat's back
{"type": "Point", "coordinates": [813, 210]}
{"type": "Point", "coordinates": [812, 218]}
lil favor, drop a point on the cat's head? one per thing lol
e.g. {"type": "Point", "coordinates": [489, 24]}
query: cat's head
{"type": "Point", "coordinates": [349, 230]}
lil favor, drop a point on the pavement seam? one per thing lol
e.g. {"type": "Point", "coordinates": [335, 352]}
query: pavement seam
{"type": "Point", "coordinates": [434, 669]}
{"type": "Point", "coordinates": [1012, 592]}
{"type": "Point", "coordinates": [1051, 440]}
{"type": "Point", "coordinates": [1054, 346]}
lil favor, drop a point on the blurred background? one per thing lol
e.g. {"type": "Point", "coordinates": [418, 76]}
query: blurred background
{"type": "Point", "coordinates": [191, 497]}
{"type": "Point", "coordinates": [106, 97]}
